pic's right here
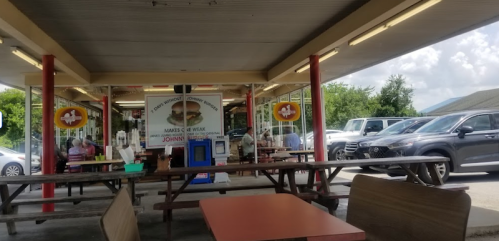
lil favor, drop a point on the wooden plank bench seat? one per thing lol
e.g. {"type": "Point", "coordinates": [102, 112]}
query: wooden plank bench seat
{"type": "Point", "coordinates": [222, 188]}
{"type": "Point", "coordinates": [40, 217]}
{"type": "Point", "coordinates": [74, 199]}
{"type": "Point", "coordinates": [450, 186]}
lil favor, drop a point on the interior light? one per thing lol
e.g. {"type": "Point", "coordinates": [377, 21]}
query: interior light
{"type": "Point", "coordinates": [1, 40]}
{"type": "Point", "coordinates": [157, 89]}
{"type": "Point", "coordinates": [85, 93]}
{"type": "Point", "coordinates": [206, 87]}
{"type": "Point", "coordinates": [130, 102]}
{"type": "Point", "coordinates": [233, 108]}
{"type": "Point", "coordinates": [270, 87]}
{"type": "Point", "coordinates": [81, 90]}
{"type": "Point", "coordinates": [395, 20]}
{"type": "Point", "coordinates": [226, 103]}
{"type": "Point", "coordinates": [322, 58]}
{"type": "Point", "coordinates": [412, 12]}
{"type": "Point", "coordinates": [131, 105]}
{"type": "Point", "coordinates": [229, 100]}
{"type": "Point", "coordinates": [26, 57]}
{"type": "Point", "coordinates": [367, 35]}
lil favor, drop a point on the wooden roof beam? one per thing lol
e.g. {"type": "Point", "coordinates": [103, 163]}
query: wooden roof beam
{"type": "Point", "coordinates": [20, 27]}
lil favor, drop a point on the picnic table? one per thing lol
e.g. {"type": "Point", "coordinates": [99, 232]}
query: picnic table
{"type": "Point", "coordinates": [24, 181]}
{"type": "Point", "coordinates": [96, 165]}
{"type": "Point", "coordinates": [272, 217]}
{"type": "Point", "coordinates": [285, 168]}
{"type": "Point", "coordinates": [409, 164]}
{"type": "Point", "coordinates": [272, 149]}
{"type": "Point", "coordinates": [299, 153]}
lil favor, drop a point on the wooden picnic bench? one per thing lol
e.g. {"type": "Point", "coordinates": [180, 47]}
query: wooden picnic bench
{"type": "Point", "coordinates": [285, 168]}
{"type": "Point", "coordinates": [24, 181]}
{"type": "Point", "coordinates": [410, 165]}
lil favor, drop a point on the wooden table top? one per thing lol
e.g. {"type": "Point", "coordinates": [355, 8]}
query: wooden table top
{"type": "Point", "coordinates": [93, 162]}
{"type": "Point", "coordinates": [273, 217]}
{"type": "Point", "coordinates": [70, 177]}
{"type": "Point", "coordinates": [300, 152]}
{"type": "Point", "coordinates": [273, 147]}
{"type": "Point", "coordinates": [231, 168]}
{"type": "Point", "coordinates": [377, 161]}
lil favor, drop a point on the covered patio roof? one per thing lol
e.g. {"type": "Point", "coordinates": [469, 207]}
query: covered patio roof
{"type": "Point", "coordinates": [228, 43]}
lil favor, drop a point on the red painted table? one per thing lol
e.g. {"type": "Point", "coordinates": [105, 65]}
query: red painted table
{"type": "Point", "coordinates": [273, 217]}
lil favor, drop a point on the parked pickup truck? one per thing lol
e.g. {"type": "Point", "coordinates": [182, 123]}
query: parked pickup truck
{"type": "Point", "coordinates": [355, 129]}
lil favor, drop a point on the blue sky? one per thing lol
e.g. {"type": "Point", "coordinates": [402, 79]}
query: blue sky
{"type": "Point", "coordinates": [456, 67]}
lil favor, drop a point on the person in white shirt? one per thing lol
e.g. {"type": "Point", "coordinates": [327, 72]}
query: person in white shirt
{"type": "Point", "coordinates": [247, 142]}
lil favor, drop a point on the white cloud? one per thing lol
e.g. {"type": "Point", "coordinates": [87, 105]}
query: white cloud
{"type": "Point", "coordinates": [456, 67]}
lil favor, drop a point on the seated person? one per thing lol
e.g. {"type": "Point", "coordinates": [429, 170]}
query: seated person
{"type": "Point", "coordinates": [247, 143]}
{"type": "Point", "coordinates": [89, 149]}
{"type": "Point", "coordinates": [291, 139]}
{"type": "Point", "coordinates": [76, 150]}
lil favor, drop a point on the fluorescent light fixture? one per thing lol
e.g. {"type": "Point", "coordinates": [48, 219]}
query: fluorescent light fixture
{"type": "Point", "coordinates": [322, 58]}
{"type": "Point", "coordinates": [80, 90]}
{"type": "Point", "coordinates": [367, 35]}
{"type": "Point", "coordinates": [26, 57]}
{"type": "Point", "coordinates": [229, 100]}
{"type": "Point", "coordinates": [85, 93]}
{"type": "Point", "coordinates": [208, 87]}
{"type": "Point", "coordinates": [226, 103]}
{"type": "Point", "coordinates": [130, 102]}
{"type": "Point", "coordinates": [395, 20]}
{"type": "Point", "coordinates": [157, 89]}
{"type": "Point", "coordinates": [131, 105]}
{"type": "Point", "coordinates": [412, 12]}
{"type": "Point", "coordinates": [270, 87]}
{"type": "Point", "coordinates": [1, 40]}
{"type": "Point", "coordinates": [233, 108]}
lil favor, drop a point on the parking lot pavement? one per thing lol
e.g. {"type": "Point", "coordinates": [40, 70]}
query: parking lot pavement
{"type": "Point", "coordinates": [482, 191]}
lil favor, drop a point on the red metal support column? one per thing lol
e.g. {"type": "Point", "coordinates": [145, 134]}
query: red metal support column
{"type": "Point", "coordinates": [105, 118]}
{"type": "Point", "coordinates": [249, 110]}
{"type": "Point", "coordinates": [48, 128]}
{"type": "Point", "coordinates": [315, 86]}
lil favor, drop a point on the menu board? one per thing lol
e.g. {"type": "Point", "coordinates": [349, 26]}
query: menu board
{"type": "Point", "coordinates": [165, 118]}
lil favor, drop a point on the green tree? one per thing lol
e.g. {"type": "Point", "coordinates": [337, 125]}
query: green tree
{"type": "Point", "coordinates": [12, 107]}
{"type": "Point", "coordinates": [394, 99]}
{"type": "Point", "coordinates": [342, 102]}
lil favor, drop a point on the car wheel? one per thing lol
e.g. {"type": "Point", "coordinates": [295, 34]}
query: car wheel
{"type": "Point", "coordinates": [442, 168]}
{"type": "Point", "coordinates": [337, 154]}
{"type": "Point", "coordinates": [12, 169]}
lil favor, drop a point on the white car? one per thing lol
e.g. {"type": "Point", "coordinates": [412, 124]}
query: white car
{"type": "Point", "coordinates": [12, 162]}
{"type": "Point", "coordinates": [310, 137]}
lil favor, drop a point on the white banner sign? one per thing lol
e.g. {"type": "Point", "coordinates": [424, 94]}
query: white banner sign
{"type": "Point", "coordinates": [165, 118]}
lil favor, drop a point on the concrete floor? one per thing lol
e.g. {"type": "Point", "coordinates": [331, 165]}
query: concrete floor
{"type": "Point", "coordinates": [188, 223]}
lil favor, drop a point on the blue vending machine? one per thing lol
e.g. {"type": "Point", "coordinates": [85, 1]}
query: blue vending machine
{"type": "Point", "coordinates": [199, 155]}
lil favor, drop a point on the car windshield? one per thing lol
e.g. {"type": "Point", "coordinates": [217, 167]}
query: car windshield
{"type": "Point", "coordinates": [396, 128]}
{"type": "Point", "coordinates": [7, 150]}
{"type": "Point", "coordinates": [353, 125]}
{"type": "Point", "coordinates": [441, 124]}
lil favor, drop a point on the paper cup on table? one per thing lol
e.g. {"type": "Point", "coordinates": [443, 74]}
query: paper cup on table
{"type": "Point", "coordinates": [168, 150]}
{"type": "Point", "coordinates": [124, 156]}
{"type": "Point", "coordinates": [130, 154]}
{"type": "Point", "coordinates": [109, 153]}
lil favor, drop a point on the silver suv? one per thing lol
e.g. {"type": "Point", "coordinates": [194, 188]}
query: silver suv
{"type": "Point", "coordinates": [356, 129]}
